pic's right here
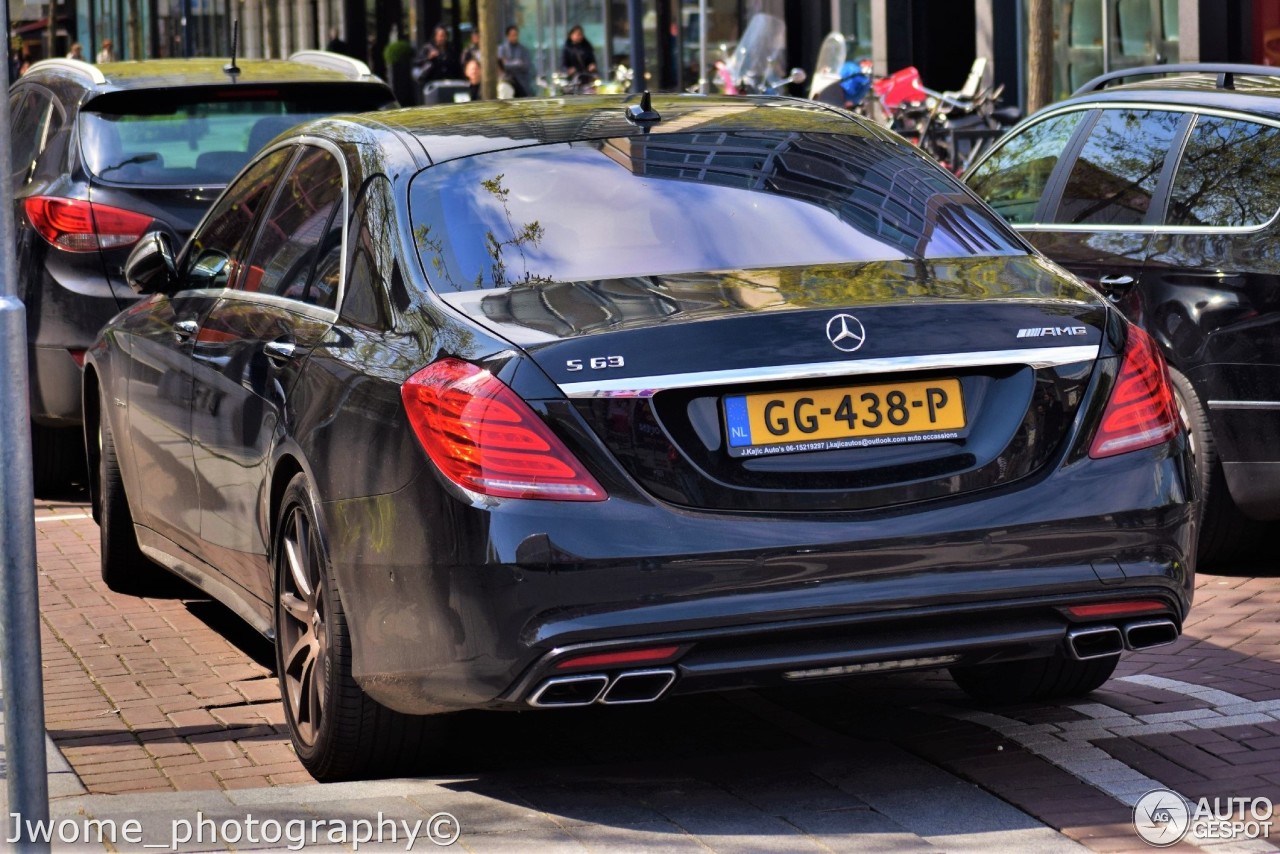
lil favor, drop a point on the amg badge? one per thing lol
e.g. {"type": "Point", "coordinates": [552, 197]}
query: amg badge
{"type": "Point", "coordinates": [1045, 331]}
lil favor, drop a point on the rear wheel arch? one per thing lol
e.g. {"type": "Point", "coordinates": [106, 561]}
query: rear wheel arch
{"type": "Point", "coordinates": [287, 468]}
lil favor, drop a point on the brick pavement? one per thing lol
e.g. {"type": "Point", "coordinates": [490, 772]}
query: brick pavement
{"type": "Point", "coordinates": [148, 695]}
{"type": "Point", "coordinates": [140, 694]}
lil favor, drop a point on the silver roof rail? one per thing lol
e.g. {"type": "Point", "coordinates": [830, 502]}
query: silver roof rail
{"type": "Point", "coordinates": [1226, 72]}
{"type": "Point", "coordinates": [352, 68]}
{"type": "Point", "coordinates": [78, 66]}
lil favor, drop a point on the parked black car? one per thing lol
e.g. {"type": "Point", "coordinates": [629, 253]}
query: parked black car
{"type": "Point", "coordinates": [102, 155]}
{"type": "Point", "coordinates": [547, 403]}
{"type": "Point", "coordinates": [1163, 193]}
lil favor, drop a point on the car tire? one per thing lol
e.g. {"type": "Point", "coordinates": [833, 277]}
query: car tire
{"type": "Point", "coordinates": [125, 569]}
{"type": "Point", "coordinates": [338, 731]}
{"type": "Point", "coordinates": [1034, 679]}
{"type": "Point", "coordinates": [57, 459]}
{"type": "Point", "coordinates": [1225, 532]}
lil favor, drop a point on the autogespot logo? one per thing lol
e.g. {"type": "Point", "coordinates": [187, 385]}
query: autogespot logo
{"type": "Point", "coordinates": [845, 332]}
{"type": "Point", "coordinates": [1161, 817]}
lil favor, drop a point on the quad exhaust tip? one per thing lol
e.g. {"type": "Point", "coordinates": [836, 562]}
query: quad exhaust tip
{"type": "Point", "coordinates": [1089, 642]}
{"type": "Point", "coordinates": [1146, 634]}
{"type": "Point", "coordinates": [628, 687]}
{"type": "Point", "coordinates": [564, 692]}
{"type": "Point", "coordinates": [638, 686]}
{"type": "Point", "coordinates": [1092, 642]}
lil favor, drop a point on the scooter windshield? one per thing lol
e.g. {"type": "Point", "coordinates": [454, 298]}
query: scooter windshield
{"type": "Point", "coordinates": [761, 52]}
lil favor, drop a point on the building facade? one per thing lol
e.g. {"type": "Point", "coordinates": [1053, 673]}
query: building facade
{"type": "Point", "coordinates": [940, 37]}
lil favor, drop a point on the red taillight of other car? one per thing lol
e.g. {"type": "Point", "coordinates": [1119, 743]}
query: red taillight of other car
{"type": "Point", "coordinates": [79, 226]}
{"type": "Point", "coordinates": [1141, 411]}
{"type": "Point", "coordinates": [484, 438]}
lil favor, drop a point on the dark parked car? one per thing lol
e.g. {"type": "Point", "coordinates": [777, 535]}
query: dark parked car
{"type": "Point", "coordinates": [549, 403]}
{"type": "Point", "coordinates": [1163, 193]}
{"type": "Point", "coordinates": [103, 154]}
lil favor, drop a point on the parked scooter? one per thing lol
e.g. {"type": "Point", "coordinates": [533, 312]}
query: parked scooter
{"type": "Point", "coordinates": [954, 127]}
{"type": "Point", "coordinates": [756, 65]}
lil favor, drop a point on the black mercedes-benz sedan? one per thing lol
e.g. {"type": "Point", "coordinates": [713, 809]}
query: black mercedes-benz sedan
{"type": "Point", "coordinates": [542, 404]}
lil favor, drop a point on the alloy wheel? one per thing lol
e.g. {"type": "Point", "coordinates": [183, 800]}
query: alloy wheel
{"type": "Point", "coordinates": [303, 632]}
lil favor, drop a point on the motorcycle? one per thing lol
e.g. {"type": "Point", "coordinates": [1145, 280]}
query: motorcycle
{"type": "Point", "coordinates": [756, 65]}
{"type": "Point", "coordinates": [836, 79]}
{"type": "Point", "coordinates": [954, 127]}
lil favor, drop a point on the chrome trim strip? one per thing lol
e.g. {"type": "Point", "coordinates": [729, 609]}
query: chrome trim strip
{"type": "Point", "coordinates": [1244, 404]}
{"type": "Point", "coordinates": [1042, 357]}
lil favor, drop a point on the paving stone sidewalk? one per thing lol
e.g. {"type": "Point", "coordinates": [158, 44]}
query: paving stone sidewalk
{"type": "Point", "coordinates": [166, 707]}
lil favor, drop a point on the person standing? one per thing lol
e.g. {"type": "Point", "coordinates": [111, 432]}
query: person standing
{"type": "Point", "coordinates": [435, 60]}
{"type": "Point", "coordinates": [517, 63]}
{"type": "Point", "coordinates": [472, 50]}
{"type": "Point", "coordinates": [472, 72]}
{"type": "Point", "coordinates": [578, 57]}
{"type": "Point", "coordinates": [336, 44]}
{"type": "Point", "coordinates": [108, 53]}
{"type": "Point", "coordinates": [76, 52]}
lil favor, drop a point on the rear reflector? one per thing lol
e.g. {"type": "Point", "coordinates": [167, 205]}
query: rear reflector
{"type": "Point", "coordinates": [76, 225]}
{"type": "Point", "coordinates": [485, 438]}
{"type": "Point", "coordinates": [1141, 412]}
{"type": "Point", "coordinates": [78, 356]}
{"type": "Point", "coordinates": [655, 655]}
{"type": "Point", "coordinates": [1116, 609]}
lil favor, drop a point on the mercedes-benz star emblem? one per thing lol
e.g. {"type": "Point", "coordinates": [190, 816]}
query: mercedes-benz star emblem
{"type": "Point", "coordinates": [845, 332]}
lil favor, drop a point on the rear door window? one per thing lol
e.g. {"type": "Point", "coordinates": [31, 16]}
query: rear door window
{"type": "Point", "coordinates": [1114, 179]}
{"type": "Point", "coordinates": [1227, 177]}
{"type": "Point", "coordinates": [29, 119]}
{"type": "Point", "coordinates": [211, 255]}
{"type": "Point", "coordinates": [301, 232]}
{"type": "Point", "coordinates": [1013, 179]}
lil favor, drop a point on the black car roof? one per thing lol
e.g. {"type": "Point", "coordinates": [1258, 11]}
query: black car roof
{"type": "Point", "coordinates": [459, 130]}
{"type": "Point", "coordinates": [1257, 93]}
{"type": "Point", "coordinates": [304, 67]}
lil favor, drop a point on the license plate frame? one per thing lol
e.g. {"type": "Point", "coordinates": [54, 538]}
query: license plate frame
{"type": "Point", "coordinates": [836, 415]}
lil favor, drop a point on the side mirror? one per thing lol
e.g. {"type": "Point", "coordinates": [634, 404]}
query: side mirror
{"type": "Point", "coordinates": [150, 268]}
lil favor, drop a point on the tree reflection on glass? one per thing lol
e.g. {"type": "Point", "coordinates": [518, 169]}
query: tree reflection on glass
{"type": "Point", "coordinates": [496, 247]}
{"type": "Point", "coordinates": [1227, 176]}
{"type": "Point", "coordinates": [1115, 176]}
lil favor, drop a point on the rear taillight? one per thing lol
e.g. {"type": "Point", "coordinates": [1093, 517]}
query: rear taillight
{"type": "Point", "coordinates": [485, 438]}
{"type": "Point", "coordinates": [79, 226]}
{"type": "Point", "coordinates": [1141, 411]}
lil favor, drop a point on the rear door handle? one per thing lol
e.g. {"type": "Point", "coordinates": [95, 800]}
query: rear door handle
{"type": "Point", "coordinates": [280, 353]}
{"type": "Point", "coordinates": [1116, 282]}
{"type": "Point", "coordinates": [184, 329]}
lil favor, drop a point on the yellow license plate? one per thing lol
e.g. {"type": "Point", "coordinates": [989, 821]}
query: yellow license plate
{"type": "Point", "coordinates": [847, 417]}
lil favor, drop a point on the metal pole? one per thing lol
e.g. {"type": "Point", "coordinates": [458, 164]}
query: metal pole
{"type": "Point", "coordinates": [26, 777]}
{"type": "Point", "coordinates": [635, 15]}
{"type": "Point", "coordinates": [702, 46]}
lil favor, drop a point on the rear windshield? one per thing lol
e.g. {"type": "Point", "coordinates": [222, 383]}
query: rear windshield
{"type": "Point", "coordinates": [201, 137]}
{"type": "Point", "coordinates": [685, 202]}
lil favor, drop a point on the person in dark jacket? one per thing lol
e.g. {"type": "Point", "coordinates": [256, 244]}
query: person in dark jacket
{"type": "Point", "coordinates": [578, 57]}
{"type": "Point", "coordinates": [436, 60]}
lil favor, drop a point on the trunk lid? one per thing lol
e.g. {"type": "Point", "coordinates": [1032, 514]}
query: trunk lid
{"type": "Point", "coordinates": [835, 387]}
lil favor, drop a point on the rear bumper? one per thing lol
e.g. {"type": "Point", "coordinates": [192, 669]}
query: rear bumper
{"type": "Point", "coordinates": [474, 606]}
{"type": "Point", "coordinates": [55, 387]}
